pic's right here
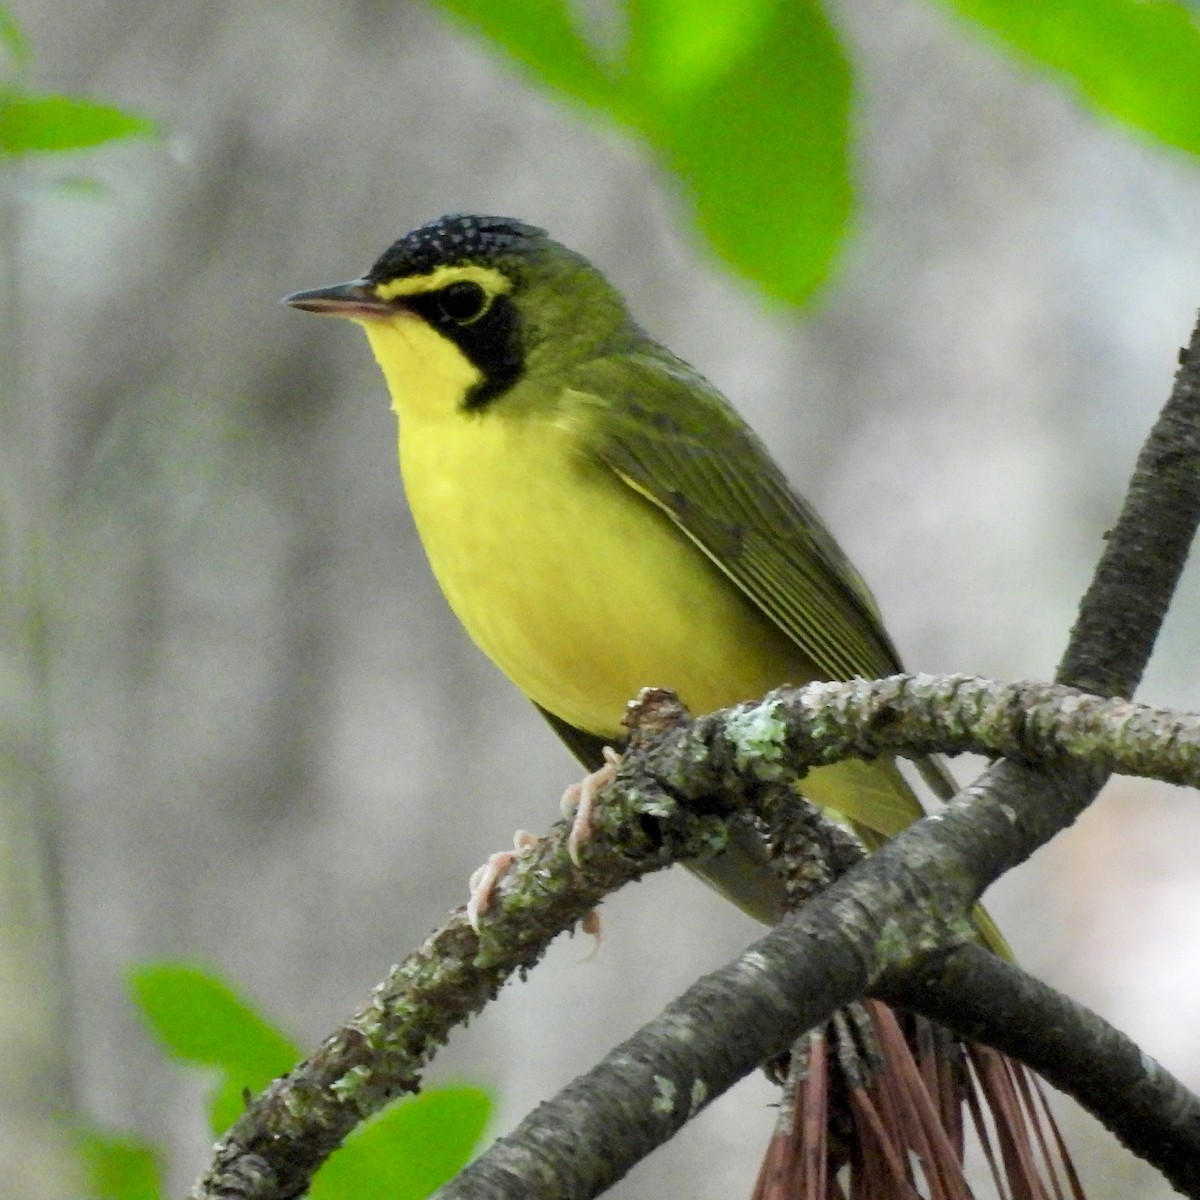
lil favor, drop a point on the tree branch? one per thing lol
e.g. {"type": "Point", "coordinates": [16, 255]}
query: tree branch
{"type": "Point", "coordinates": [276, 1146]}
{"type": "Point", "coordinates": [1125, 604]}
{"type": "Point", "coordinates": [794, 729]}
{"type": "Point", "coordinates": [984, 999]}
{"type": "Point", "coordinates": [743, 756]}
{"type": "Point", "coordinates": [606, 1121]}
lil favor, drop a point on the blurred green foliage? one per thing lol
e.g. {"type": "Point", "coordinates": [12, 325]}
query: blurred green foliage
{"type": "Point", "coordinates": [117, 1167]}
{"type": "Point", "coordinates": [200, 1020]}
{"type": "Point", "coordinates": [747, 103]}
{"type": "Point", "coordinates": [54, 124]}
{"type": "Point", "coordinates": [40, 123]}
{"type": "Point", "coordinates": [405, 1152]}
{"type": "Point", "coordinates": [1136, 60]}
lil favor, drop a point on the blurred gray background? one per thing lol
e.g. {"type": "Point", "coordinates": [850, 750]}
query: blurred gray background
{"type": "Point", "coordinates": [273, 748]}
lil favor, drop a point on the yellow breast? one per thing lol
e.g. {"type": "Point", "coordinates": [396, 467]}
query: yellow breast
{"type": "Point", "coordinates": [570, 582]}
{"type": "Point", "coordinates": [575, 586]}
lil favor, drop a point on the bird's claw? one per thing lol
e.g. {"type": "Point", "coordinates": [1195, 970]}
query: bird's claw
{"type": "Point", "coordinates": [482, 884]}
{"type": "Point", "coordinates": [579, 802]}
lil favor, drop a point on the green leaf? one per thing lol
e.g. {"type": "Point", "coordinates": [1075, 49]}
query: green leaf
{"type": "Point", "coordinates": [676, 46]}
{"type": "Point", "coordinates": [1138, 60]}
{"type": "Point", "coordinates": [200, 1019]}
{"type": "Point", "coordinates": [119, 1168]}
{"type": "Point", "coordinates": [542, 37]}
{"type": "Point", "coordinates": [763, 153]}
{"type": "Point", "coordinates": [12, 37]}
{"type": "Point", "coordinates": [746, 101]}
{"type": "Point", "coordinates": [54, 124]}
{"type": "Point", "coordinates": [409, 1150]}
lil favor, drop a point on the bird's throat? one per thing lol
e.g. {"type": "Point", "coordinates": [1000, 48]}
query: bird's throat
{"type": "Point", "coordinates": [427, 375]}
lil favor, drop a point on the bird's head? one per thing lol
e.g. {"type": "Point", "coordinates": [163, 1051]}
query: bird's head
{"type": "Point", "coordinates": [461, 309]}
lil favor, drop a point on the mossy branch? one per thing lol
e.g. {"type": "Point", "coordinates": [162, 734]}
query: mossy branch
{"type": "Point", "coordinates": [733, 759]}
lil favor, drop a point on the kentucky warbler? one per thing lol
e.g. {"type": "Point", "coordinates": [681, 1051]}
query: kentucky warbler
{"type": "Point", "coordinates": [599, 517]}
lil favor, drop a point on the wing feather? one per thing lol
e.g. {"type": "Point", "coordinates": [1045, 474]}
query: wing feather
{"type": "Point", "coordinates": [669, 435]}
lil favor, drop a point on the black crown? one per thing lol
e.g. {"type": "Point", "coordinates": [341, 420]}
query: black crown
{"type": "Point", "coordinates": [453, 239]}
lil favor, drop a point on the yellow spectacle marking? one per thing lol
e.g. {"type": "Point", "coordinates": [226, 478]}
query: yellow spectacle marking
{"type": "Point", "coordinates": [494, 282]}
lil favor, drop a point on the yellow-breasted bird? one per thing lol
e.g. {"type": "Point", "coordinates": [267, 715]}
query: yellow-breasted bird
{"type": "Point", "coordinates": [600, 518]}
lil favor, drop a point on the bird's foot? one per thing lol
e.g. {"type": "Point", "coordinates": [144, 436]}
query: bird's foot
{"type": "Point", "coordinates": [482, 884]}
{"type": "Point", "coordinates": [483, 881]}
{"type": "Point", "coordinates": [579, 802]}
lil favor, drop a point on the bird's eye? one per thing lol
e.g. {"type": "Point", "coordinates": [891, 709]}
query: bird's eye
{"type": "Point", "coordinates": [463, 301]}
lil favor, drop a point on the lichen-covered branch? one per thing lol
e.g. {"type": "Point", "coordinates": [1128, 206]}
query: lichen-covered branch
{"type": "Point", "coordinates": [733, 759]}
{"type": "Point", "coordinates": [603, 1123]}
{"type": "Point", "coordinates": [286, 1133]}
{"type": "Point", "coordinates": [792, 729]}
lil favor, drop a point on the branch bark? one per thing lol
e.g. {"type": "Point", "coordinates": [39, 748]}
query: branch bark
{"type": "Point", "coordinates": [603, 1123]}
{"type": "Point", "coordinates": [740, 758]}
{"type": "Point", "coordinates": [985, 999]}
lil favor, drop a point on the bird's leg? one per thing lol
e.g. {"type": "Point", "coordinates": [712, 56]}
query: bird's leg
{"type": "Point", "coordinates": [579, 800]}
{"type": "Point", "coordinates": [482, 885]}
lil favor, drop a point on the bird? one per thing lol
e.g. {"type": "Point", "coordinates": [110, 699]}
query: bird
{"type": "Point", "coordinates": [601, 520]}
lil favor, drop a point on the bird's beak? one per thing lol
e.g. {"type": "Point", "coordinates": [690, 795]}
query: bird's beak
{"type": "Point", "coordinates": [356, 300]}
